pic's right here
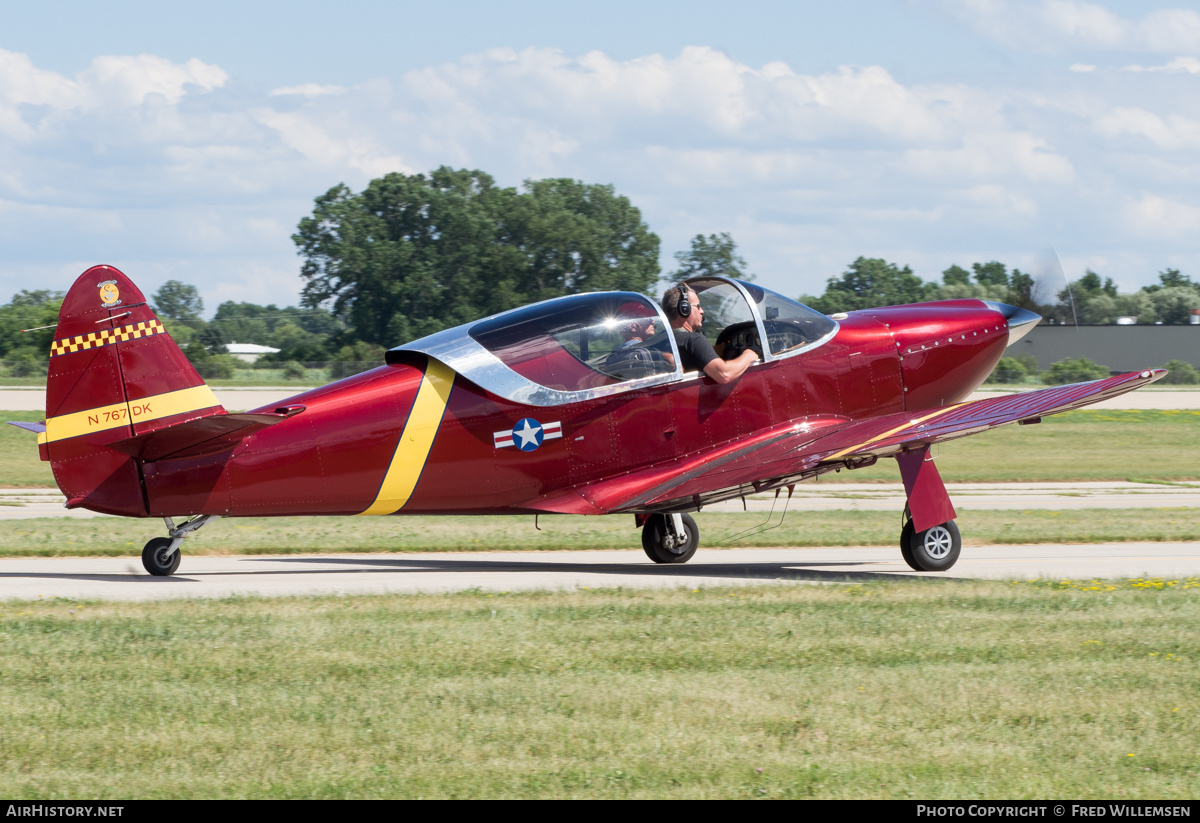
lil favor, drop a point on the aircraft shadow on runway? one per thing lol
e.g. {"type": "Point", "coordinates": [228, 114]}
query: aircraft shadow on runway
{"type": "Point", "coordinates": [725, 572]}
{"type": "Point", "coordinates": [721, 571]}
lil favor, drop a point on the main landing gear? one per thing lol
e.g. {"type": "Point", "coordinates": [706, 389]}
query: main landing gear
{"type": "Point", "coordinates": [934, 550]}
{"type": "Point", "coordinates": [161, 555]}
{"type": "Point", "coordinates": [670, 538]}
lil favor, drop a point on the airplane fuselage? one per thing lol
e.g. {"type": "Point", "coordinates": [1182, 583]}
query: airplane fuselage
{"type": "Point", "coordinates": [360, 439]}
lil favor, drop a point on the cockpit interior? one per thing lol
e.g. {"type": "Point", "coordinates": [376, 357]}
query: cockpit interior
{"type": "Point", "coordinates": [585, 342]}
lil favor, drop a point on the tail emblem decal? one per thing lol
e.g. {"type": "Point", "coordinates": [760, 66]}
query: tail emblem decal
{"type": "Point", "coordinates": [106, 337]}
{"type": "Point", "coordinates": [416, 440]}
{"type": "Point", "coordinates": [110, 295]}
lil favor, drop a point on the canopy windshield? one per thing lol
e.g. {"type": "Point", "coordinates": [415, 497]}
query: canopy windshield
{"type": "Point", "coordinates": [791, 327]}
{"type": "Point", "coordinates": [579, 343]}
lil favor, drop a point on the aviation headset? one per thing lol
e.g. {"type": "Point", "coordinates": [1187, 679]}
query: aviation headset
{"type": "Point", "coordinates": [684, 308]}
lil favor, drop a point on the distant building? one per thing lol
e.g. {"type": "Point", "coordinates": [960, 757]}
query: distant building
{"type": "Point", "coordinates": [1121, 348]}
{"type": "Point", "coordinates": [249, 352]}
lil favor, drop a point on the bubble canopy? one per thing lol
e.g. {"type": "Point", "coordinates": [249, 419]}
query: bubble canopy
{"type": "Point", "coordinates": [581, 342]}
{"type": "Point", "coordinates": [581, 346]}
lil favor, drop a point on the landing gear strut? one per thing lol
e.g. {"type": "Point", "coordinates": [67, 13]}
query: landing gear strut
{"type": "Point", "coordinates": [161, 555]}
{"type": "Point", "coordinates": [670, 538]}
{"type": "Point", "coordinates": [934, 550]}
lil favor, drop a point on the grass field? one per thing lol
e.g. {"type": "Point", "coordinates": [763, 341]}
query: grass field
{"type": "Point", "coordinates": [1077, 446]}
{"type": "Point", "coordinates": [53, 537]}
{"type": "Point", "coordinates": [906, 689]}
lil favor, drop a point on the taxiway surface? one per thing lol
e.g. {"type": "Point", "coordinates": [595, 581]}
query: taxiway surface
{"type": "Point", "coordinates": [122, 578]}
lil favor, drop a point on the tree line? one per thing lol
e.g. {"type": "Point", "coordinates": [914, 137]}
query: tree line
{"type": "Point", "coordinates": [411, 255]}
{"type": "Point", "coordinates": [1089, 300]}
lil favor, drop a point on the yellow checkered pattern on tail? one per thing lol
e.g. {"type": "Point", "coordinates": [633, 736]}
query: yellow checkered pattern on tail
{"type": "Point", "coordinates": [106, 337]}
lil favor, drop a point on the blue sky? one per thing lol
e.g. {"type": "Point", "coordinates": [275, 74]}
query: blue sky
{"type": "Point", "coordinates": [186, 142]}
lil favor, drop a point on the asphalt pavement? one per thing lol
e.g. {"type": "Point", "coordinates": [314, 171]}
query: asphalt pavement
{"type": "Point", "coordinates": [122, 578]}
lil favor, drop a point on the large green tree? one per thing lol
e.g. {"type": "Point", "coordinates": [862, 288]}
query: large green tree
{"type": "Point", "coordinates": [27, 352]}
{"type": "Point", "coordinates": [714, 255]}
{"type": "Point", "coordinates": [414, 254]}
{"type": "Point", "coordinates": [871, 282]}
{"type": "Point", "coordinates": [178, 301]}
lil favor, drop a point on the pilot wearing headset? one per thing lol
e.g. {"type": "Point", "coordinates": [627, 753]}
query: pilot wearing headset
{"type": "Point", "coordinates": [682, 306]}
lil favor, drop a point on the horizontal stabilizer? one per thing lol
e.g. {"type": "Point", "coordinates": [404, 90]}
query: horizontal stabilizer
{"type": "Point", "coordinates": [36, 428]}
{"type": "Point", "coordinates": [207, 435]}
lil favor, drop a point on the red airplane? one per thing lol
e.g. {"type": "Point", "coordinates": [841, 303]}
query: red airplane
{"type": "Point", "coordinates": [576, 405]}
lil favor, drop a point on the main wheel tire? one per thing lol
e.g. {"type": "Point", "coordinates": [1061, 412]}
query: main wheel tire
{"type": "Point", "coordinates": [934, 550]}
{"type": "Point", "coordinates": [906, 535]}
{"type": "Point", "coordinates": [654, 540]}
{"type": "Point", "coordinates": [154, 557]}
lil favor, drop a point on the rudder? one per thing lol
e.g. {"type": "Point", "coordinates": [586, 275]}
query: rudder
{"type": "Point", "coordinates": [114, 373]}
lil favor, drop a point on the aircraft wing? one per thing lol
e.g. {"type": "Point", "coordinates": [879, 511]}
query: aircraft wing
{"type": "Point", "coordinates": [786, 454]}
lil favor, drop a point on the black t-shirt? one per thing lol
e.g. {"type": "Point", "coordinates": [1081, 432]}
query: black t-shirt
{"type": "Point", "coordinates": [694, 350]}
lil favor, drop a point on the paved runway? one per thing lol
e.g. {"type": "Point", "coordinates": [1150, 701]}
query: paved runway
{"type": "Point", "coordinates": [124, 579]}
{"type": "Point", "coordinates": [17, 399]}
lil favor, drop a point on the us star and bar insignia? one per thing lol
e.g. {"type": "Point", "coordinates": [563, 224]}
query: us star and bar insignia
{"type": "Point", "coordinates": [527, 435]}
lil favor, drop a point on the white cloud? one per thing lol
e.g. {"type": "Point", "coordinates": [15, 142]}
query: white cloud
{"type": "Point", "coordinates": [1180, 65]}
{"type": "Point", "coordinates": [1060, 25]}
{"type": "Point", "coordinates": [702, 92]}
{"type": "Point", "coordinates": [109, 81]}
{"type": "Point", "coordinates": [1156, 216]}
{"type": "Point", "coordinates": [322, 143]}
{"type": "Point", "coordinates": [309, 90]}
{"type": "Point", "coordinates": [1170, 132]}
{"type": "Point", "coordinates": [808, 170]}
{"type": "Point", "coordinates": [1082, 68]}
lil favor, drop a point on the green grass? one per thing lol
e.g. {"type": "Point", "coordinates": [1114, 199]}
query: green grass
{"type": "Point", "coordinates": [1086, 445]}
{"type": "Point", "coordinates": [1078, 446]}
{"type": "Point", "coordinates": [903, 689]}
{"type": "Point", "coordinates": [57, 536]}
{"type": "Point", "coordinates": [20, 467]}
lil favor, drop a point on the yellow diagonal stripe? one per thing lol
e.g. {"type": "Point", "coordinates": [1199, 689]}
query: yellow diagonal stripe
{"type": "Point", "coordinates": [890, 432]}
{"type": "Point", "coordinates": [103, 418]}
{"type": "Point", "coordinates": [416, 440]}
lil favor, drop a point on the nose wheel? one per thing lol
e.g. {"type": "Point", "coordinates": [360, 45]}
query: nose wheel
{"type": "Point", "coordinates": [934, 550]}
{"type": "Point", "coordinates": [670, 538]}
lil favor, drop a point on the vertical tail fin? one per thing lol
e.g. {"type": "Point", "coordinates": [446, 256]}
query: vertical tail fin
{"type": "Point", "coordinates": [114, 373]}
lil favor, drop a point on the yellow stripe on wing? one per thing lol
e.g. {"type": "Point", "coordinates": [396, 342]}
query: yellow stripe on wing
{"type": "Point", "coordinates": [416, 440]}
{"type": "Point", "coordinates": [890, 432]}
{"type": "Point", "coordinates": [103, 418]}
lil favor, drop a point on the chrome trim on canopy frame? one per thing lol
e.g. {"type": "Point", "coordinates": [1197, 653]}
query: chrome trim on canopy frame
{"type": "Point", "coordinates": [457, 349]}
